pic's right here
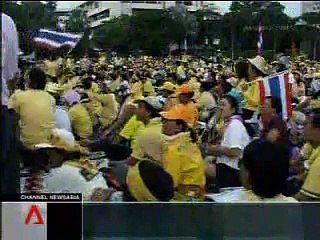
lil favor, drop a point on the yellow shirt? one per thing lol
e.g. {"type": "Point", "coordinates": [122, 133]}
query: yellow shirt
{"type": "Point", "coordinates": [195, 85]}
{"type": "Point", "coordinates": [311, 186]}
{"type": "Point", "coordinates": [36, 109]}
{"type": "Point", "coordinates": [137, 90]}
{"type": "Point", "coordinates": [80, 121]}
{"type": "Point", "coordinates": [148, 88]}
{"type": "Point", "coordinates": [52, 68]}
{"type": "Point", "coordinates": [252, 97]}
{"type": "Point", "coordinates": [95, 88]}
{"type": "Point", "coordinates": [183, 160]}
{"type": "Point", "coordinates": [154, 126]}
{"type": "Point", "coordinates": [110, 109]}
{"type": "Point", "coordinates": [129, 131]}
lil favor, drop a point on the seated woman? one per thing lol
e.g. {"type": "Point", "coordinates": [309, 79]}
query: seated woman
{"type": "Point", "coordinates": [235, 139]}
{"type": "Point", "coordinates": [182, 157]}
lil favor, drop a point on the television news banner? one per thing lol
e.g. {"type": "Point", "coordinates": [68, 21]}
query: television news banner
{"type": "Point", "coordinates": [41, 216]}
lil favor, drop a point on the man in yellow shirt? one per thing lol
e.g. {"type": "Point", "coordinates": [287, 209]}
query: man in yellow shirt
{"type": "Point", "coordinates": [79, 116]}
{"type": "Point", "coordinates": [148, 114]}
{"type": "Point", "coordinates": [311, 188]}
{"type": "Point", "coordinates": [36, 109]}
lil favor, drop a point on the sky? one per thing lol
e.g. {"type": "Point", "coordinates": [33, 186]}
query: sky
{"type": "Point", "coordinates": [293, 9]}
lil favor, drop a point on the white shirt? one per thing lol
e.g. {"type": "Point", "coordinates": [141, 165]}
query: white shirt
{"type": "Point", "coordinates": [68, 179]}
{"type": "Point", "coordinates": [9, 54]}
{"type": "Point", "coordinates": [63, 120]}
{"type": "Point", "coordinates": [235, 136]}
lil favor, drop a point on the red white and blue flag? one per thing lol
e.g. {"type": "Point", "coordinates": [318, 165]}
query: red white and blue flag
{"type": "Point", "coordinates": [260, 40]}
{"type": "Point", "coordinates": [278, 86]}
{"type": "Point", "coordinates": [52, 39]}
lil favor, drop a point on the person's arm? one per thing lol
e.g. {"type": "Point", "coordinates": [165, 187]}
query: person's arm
{"type": "Point", "coordinates": [310, 190]}
{"type": "Point", "coordinates": [233, 142]}
{"type": "Point", "coordinates": [303, 198]}
{"type": "Point", "coordinates": [219, 150]}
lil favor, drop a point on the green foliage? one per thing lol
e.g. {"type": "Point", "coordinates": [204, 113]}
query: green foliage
{"type": "Point", "coordinates": [151, 31]}
{"type": "Point", "coordinates": [29, 16]}
{"type": "Point", "coordinates": [76, 21]}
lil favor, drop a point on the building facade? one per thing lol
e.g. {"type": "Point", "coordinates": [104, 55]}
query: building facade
{"type": "Point", "coordinates": [308, 7]}
{"type": "Point", "coordinates": [99, 11]}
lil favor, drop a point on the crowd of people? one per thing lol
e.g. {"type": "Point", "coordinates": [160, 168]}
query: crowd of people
{"type": "Point", "coordinates": [167, 129]}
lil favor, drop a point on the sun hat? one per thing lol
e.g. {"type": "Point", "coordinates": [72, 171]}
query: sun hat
{"type": "Point", "coordinates": [176, 114]}
{"type": "Point", "coordinates": [154, 101]}
{"type": "Point", "coordinates": [169, 86]}
{"type": "Point", "coordinates": [259, 62]}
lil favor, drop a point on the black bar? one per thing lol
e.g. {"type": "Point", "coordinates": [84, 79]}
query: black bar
{"type": "Point", "coordinates": [45, 197]}
{"type": "Point", "coordinates": [64, 221]}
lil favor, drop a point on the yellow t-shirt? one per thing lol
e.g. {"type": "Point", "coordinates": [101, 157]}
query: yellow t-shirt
{"type": "Point", "coordinates": [137, 90]}
{"type": "Point", "coordinates": [154, 126]}
{"type": "Point", "coordinates": [52, 68]}
{"type": "Point", "coordinates": [110, 109]}
{"type": "Point", "coordinates": [195, 85]}
{"type": "Point", "coordinates": [36, 109]}
{"type": "Point", "coordinates": [129, 131]}
{"type": "Point", "coordinates": [148, 88]}
{"type": "Point", "coordinates": [252, 97]}
{"type": "Point", "coordinates": [80, 121]}
{"type": "Point", "coordinates": [183, 160]}
{"type": "Point", "coordinates": [311, 186]}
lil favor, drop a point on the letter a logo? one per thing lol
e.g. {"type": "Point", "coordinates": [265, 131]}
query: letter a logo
{"type": "Point", "coordinates": [34, 210]}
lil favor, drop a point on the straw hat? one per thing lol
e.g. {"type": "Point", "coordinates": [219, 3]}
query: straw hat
{"type": "Point", "coordinates": [259, 63]}
{"type": "Point", "coordinates": [169, 86]}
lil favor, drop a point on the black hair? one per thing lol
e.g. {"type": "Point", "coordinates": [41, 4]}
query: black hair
{"type": "Point", "coordinates": [268, 167]}
{"type": "Point", "coordinates": [207, 86]}
{"type": "Point", "coordinates": [241, 69]}
{"type": "Point", "coordinates": [38, 79]}
{"type": "Point", "coordinates": [157, 180]}
{"type": "Point", "coordinates": [276, 104]}
{"type": "Point", "coordinates": [226, 87]}
{"type": "Point", "coordinates": [233, 103]}
{"type": "Point", "coordinates": [87, 83]}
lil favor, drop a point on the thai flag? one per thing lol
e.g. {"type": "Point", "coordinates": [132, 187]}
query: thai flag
{"type": "Point", "coordinates": [278, 86]}
{"type": "Point", "coordinates": [260, 40]}
{"type": "Point", "coordinates": [52, 39]}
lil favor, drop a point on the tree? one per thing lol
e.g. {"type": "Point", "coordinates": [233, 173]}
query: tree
{"type": "Point", "coordinates": [29, 17]}
{"type": "Point", "coordinates": [76, 21]}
